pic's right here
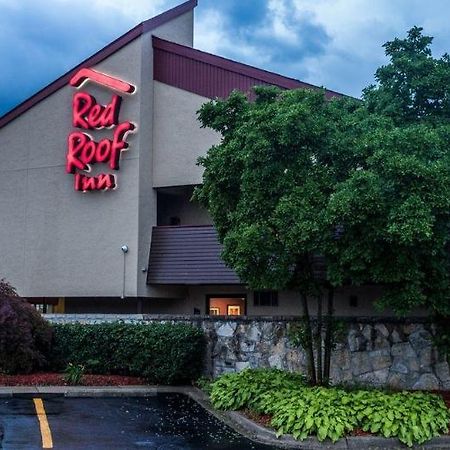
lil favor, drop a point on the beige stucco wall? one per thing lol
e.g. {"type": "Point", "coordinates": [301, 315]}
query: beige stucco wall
{"type": "Point", "coordinates": [56, 242]}
{"type": "Point", "coordinates": [179, 30]}
{"type": "Point", "coordinates": [289, 302]}
{"type": "Point", "coordinates": [178, 139]}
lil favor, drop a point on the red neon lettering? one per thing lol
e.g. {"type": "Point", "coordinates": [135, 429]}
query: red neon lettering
{"type": "Point", "coordinates": [81, 104]}
{"type": "Point", "coordinates": [119, 144]}
{"type": "Point", "coordinates": [83, 151]}
{"type": "Point", "coordinates": [106, 181]}
{"type": "Point", "coordinates": [76, 142]}
{"type": "Point", "coordinates": [88, 114]}
{"type": "Point", "coordinates": [88, 183]}
{"type": "Point", "coordinates": [114, 83]}
{"type": "Point", "coordinates": [100, 182]}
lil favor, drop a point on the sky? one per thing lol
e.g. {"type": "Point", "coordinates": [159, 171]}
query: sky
{"type": "Point", "coordinates": [331, 43]}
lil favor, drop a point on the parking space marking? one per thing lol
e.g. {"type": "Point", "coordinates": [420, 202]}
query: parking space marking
{"type": "Point", "coordinates": [47, 441]}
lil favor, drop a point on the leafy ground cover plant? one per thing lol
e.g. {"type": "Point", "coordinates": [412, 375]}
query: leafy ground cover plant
{"type": "Point", "coordinates": [309, 411]}
{"type": "Point", "coordinates": [412, 417]}
{"type": "Point", "coordinates": [300, 410]}
{"type": "Point", "coordinates": [242, 389]}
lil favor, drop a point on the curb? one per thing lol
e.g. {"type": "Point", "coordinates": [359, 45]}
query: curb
{"type": "Point", "coordinates": [233, 419]}
{"type": "Point", "coordinates": [84, 391]}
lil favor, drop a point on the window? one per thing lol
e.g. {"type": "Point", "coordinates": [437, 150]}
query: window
{"type": "Point", "coordinates": [213, 311]}
{"type": "Point", "coordinates": [233, 310]}
{"type": "Point", "coordinates": [265, 298]}
{"type": "Point", "coordinates": [226, 305]}
{"type": "Point", "coordinates": [43, 308]}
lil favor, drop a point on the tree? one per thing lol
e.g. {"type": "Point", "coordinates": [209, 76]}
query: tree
{"type": "Point", "coordinates": [363, 186]}
{"type": "Point", "coordinates": [414, 86]}
{"type": "Point", "coordinates": [395, 208]}
{"type": "Point", "coordinates": [267, 185]}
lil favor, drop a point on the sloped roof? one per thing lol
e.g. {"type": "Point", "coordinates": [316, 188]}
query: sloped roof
{"type": "Point", "coordinates": [102, 54]}
{"type": "Point", "coordinates": [211, 75]}
{"type": "Point", "coordinates": [187, 255]}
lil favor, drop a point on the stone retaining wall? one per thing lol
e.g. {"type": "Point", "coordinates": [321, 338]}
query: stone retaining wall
{"type": "Point", "coordinates": [388, 352]}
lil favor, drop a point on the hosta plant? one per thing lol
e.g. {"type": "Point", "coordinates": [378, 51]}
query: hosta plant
{"type": "Point", "coordinates": [331, 413]}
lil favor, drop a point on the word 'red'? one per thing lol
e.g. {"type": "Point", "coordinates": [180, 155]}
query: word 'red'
{"type": "Point", "coordinates": [87, 114]}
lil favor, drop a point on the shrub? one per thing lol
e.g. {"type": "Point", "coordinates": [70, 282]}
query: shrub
{"type": "Point", "coordinates": [161, 353]}
{"type": "Point", "coordinates": [24, 335]}
{"type": "Point", "coordinates": [413, 417]}
{"type": "Point", "coordinates": [204, 383]}
{"type": "Point", "coordinates": [331, 412]}
{"type": "Point", "coordinates": [307, 411]}
{"type": "Point", "coordinates": [73, 373]}
{"type": "Point", "coordinates": [242, 389]}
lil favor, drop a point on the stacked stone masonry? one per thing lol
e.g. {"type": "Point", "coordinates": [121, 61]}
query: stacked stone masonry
{"type": "Point", "coordinates": [399, 354]}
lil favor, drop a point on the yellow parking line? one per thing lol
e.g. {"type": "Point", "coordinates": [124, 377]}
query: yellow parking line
{"type": "Point", "coordinates": [47, 441]}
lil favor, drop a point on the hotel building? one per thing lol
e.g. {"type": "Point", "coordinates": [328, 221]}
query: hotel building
{"type": "Point", "coordinates": [96, 178]}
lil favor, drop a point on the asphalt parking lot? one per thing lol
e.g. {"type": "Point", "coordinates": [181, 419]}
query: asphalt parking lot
{"type": "Point", "coordinates": [163, 422]}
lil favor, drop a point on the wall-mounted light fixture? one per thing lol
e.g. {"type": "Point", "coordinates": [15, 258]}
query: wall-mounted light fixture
{"type": "Point", "coordinates": [124, 249]}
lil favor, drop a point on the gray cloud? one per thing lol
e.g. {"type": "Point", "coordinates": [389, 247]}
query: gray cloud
{"type": "Point", "coordinates": [335, 43]}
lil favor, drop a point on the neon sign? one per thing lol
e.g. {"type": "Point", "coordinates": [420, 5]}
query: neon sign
{"type": "Point", "coordinates": [82, 150]}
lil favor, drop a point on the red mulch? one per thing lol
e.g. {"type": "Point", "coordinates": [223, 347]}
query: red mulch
{"type": "Point", "coordinates": [261, 419]}
{"type": "Point", "coordinates": [445, 395]}
{"type": "Point", "coordinates": [360, 432]}
{"type": "Point", "coordinates": [57, 379]}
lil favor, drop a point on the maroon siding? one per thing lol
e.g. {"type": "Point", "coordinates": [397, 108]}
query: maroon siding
{"type": "Point", "coordinates": [98, 57]}
{"type": "Point", "coordinates": [187, 255]}
{"type": "Point", "coordinates": [213, 76]}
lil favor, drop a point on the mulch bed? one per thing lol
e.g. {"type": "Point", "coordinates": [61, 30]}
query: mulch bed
{"type": "Point", "coordinates": [260, 419]}
{"type": "Point", "coordinates": [57, 379]}
{"type": "Point", "coordinates": [445, 395]}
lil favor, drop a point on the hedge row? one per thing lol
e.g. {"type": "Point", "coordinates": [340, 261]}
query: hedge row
{"type": "Point", "coordinates": [163, 353]}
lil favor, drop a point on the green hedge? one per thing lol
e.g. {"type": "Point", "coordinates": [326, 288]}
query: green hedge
{"type": "Point", "coordinates": [163, 353]}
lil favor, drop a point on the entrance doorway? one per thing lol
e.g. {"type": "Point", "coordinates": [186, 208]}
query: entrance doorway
{"type": "Point", "coordinates": [226, 305]}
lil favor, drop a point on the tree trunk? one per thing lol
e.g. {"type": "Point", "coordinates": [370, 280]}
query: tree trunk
{"type": "Point", "coordinates": [309, 343]}
{"type": "Point", "coordinates": [319, 340]}
{"type": "Point", "coordinates": [328, 336]}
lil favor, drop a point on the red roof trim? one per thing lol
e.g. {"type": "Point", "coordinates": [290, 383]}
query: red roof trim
{"type": "Point", "coordinates": [169, 15]}
{"type": "Point", "coordinates": [102, 54]}
{"type": "Point", "coordinates": [234, 66]}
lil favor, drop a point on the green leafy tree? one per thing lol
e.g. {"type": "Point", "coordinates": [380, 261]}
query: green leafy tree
{"type": "Point", "coordinates": [267, 186]}
{"type": "Point", "coordinates": [395, 205]}
{"type": "Point", "coordinates": [363, 186]}
{"type": "Point", "coordinates": [414, 85]}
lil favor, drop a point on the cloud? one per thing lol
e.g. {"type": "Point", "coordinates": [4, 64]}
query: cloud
{"type": "Point", "coordinates": [335, 43]}
{"type": "Point", "coordinates": [358, 28]}
{"type": "Point", "coordinates": [271, 35]}
{"type": "Point", "coordinates": [40, 41]}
